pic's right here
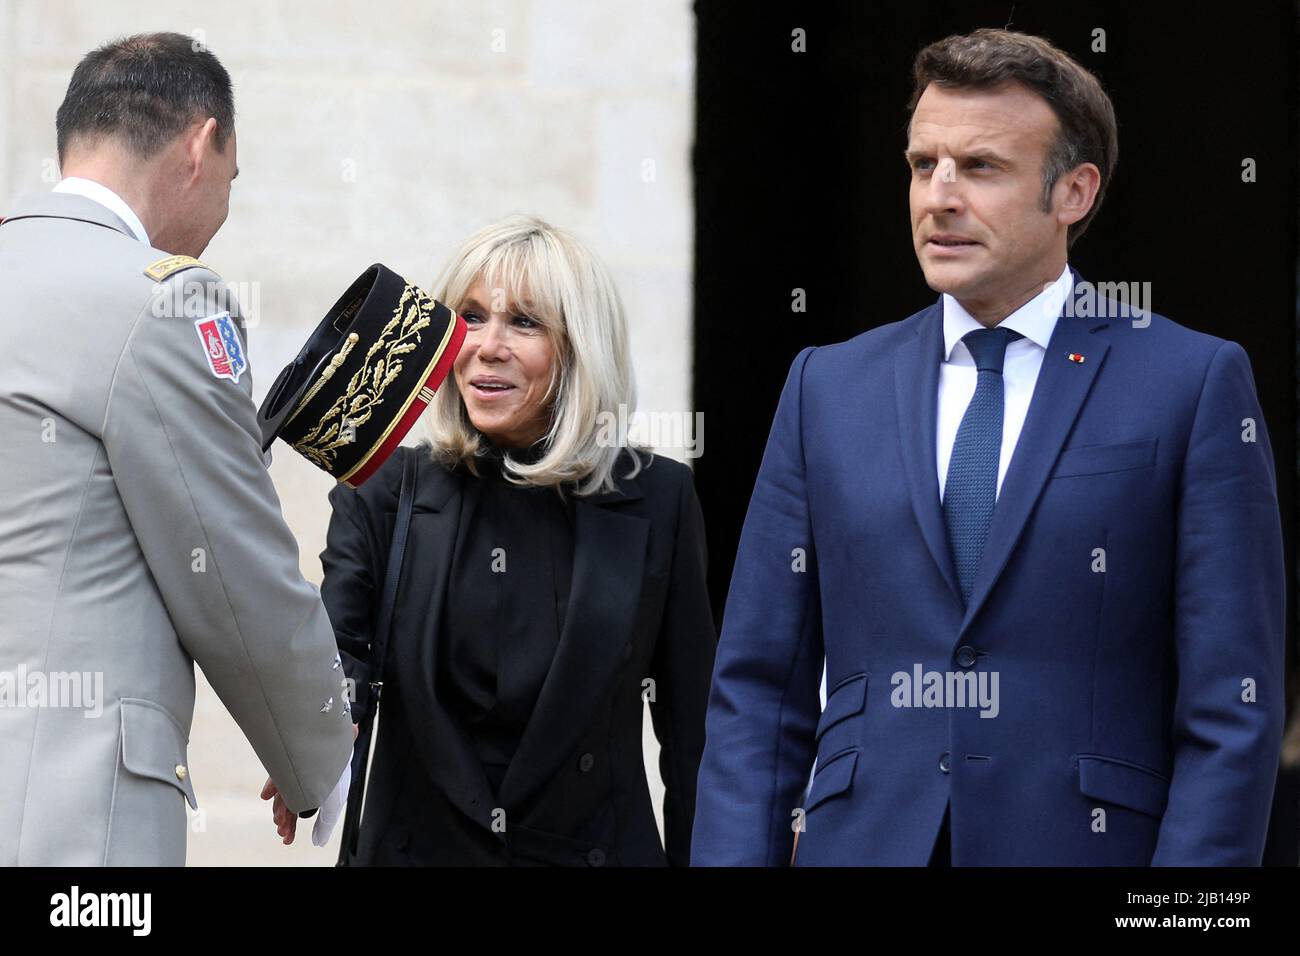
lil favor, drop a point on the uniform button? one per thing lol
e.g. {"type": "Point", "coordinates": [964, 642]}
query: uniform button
{"type": "Point", "coordinates": [181, 772]}
{"type": "Point", "coordinates": [966, 656]}
{"type": "Point", "coordinates": [586, 762]}
{"type": "Point", "coordinates": [596, 857]}
{"type": "Point", "coordinates": [627, 650]}
{"type": "Point", "coordinates": [943, 762]}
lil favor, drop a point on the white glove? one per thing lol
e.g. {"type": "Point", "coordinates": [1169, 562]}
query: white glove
{"type": "Point", "coordinates": [332, 809]}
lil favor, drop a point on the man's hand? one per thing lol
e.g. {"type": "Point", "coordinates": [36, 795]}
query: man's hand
{"type": "Point", "coordinates": [286, 821]}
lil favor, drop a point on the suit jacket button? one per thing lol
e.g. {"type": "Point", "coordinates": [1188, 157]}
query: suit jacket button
{"type": "Point", "coordinates": [586, 762]}
{"type": "Point", "coordinates": [966, 656]}
{"type": "Point", "coordinates": [943, 762]}
{"type": "Point", "coordinates": [627, 650]}
{"type": "Point", "coordinates": [181, 772]}
{"type": "Point", "coordinates": [596, 857]}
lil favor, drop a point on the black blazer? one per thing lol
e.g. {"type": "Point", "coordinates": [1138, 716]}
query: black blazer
{"type": "Point", "coordinates": [576, 792]}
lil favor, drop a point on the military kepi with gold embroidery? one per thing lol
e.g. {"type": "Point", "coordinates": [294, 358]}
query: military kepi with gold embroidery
{"type": "Point", "coordinates": [364, 376]}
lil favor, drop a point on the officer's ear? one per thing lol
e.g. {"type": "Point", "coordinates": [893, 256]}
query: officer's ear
{"type": "Point", "coordinates": [200, 144]}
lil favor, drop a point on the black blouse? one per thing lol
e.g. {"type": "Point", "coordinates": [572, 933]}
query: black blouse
{"type": "Point", "coordinates": [511, 569]}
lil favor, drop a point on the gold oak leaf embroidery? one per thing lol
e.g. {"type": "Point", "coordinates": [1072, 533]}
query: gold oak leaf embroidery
{"type": "Point", "coordinates": [365, 391]}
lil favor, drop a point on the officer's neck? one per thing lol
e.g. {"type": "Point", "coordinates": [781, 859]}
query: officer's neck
{"type": "Point", "coordinates": [138, 184]}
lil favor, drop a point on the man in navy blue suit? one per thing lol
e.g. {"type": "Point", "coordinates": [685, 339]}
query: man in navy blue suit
{"type": "Point", "coordinates": [1031, 532]}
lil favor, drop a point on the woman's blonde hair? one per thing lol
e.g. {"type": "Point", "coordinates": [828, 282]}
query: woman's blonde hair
{"type": "Point", "coordinates": [557, 282]}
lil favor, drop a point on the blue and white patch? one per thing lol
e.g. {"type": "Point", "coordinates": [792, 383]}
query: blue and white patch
{"type": "Point", "coordinates": [221, 346]}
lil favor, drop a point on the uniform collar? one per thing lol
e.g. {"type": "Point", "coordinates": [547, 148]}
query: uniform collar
{"type": "Point", "coordinates": [1035, 320]}
{"type": "Point", "coordinates": [97, 192]}
{"type": "Point", "coordinates": [55, 205]}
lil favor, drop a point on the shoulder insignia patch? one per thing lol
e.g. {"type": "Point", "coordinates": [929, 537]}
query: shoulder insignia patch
{"type": "Point", "coordinates": [164, 267]}
{"type": "Point", "coordinates": [221, 346]}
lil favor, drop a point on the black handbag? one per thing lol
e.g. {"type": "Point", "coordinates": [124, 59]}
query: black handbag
{"type": "Point", "coordinates": [378, 653]}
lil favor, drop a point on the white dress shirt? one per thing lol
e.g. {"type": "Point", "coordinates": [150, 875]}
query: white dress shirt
{"type": "Point", "coordinates": [108, 199]}
{"type": "Point", "coordinates": [1035, 320]}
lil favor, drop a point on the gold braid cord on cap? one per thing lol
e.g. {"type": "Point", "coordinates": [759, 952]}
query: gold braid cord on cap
{"type": "Point", "coordinates": [365, 391]}
{"type": "Point", "coordinates": [328, 373]}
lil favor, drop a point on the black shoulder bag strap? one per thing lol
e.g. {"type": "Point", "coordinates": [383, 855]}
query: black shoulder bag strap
{"type": "Point", "coordinates": [378, 654]}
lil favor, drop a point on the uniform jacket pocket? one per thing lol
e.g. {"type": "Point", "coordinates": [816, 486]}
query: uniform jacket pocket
{"type": "Point", "coordinates": [154, 745]}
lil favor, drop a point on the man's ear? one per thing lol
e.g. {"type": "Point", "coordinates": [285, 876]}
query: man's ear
{"type": "Point", "coordinates": [1075, 192]}
{"type": "Point", "coordinates": [199, 138]}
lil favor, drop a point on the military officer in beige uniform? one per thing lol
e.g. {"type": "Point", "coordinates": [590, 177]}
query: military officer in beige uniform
{"type": "Point", "coordinates": [139, 530]}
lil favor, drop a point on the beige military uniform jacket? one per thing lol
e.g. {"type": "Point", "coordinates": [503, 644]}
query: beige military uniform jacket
{"type": "Point", "coordinates": [139, 534]}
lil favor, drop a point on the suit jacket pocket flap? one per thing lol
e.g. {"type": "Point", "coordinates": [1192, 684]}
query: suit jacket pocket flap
{"type": "Point", "coordinates": [834, 776]}
{"type": "Point", "coordinates": [154, 745]}
{"type": "Point", "coordinates": [551, 849]}
{"type": "Point", "coordinates": [1124, 784]}
{"type": "Point", "coordinates": [1099, 459]}
{"type": "Point", "coordinates": [847, 699]}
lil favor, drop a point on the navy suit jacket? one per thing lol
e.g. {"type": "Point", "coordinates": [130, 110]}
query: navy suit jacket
{"type": "Point", "coordinates": [1130, 600]}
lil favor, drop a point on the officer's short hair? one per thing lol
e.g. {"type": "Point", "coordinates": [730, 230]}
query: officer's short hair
{"type": "Point", "coordinates": [145, 89]}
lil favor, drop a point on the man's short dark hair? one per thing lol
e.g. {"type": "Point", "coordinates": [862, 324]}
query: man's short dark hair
{"type": "Point", "coordinates": [991, 57]}
{"type": "Point", "coordinates": [145, 90]}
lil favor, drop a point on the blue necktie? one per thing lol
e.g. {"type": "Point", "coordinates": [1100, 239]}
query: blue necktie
{"type": "Point", "coordinates": [971, 487]}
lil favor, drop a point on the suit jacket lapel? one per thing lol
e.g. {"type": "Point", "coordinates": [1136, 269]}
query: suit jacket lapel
{"type": "Point", "coordinates": [1058, 396]}
{"type": "Point", "coordinates": [916, 379]}
{"type": "Point", "coordinates": [442, 745]}
{"type": "Point", "coordinates": [609, 552]}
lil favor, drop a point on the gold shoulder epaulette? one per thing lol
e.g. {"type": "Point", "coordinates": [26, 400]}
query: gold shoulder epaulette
{"type": "Point", "coordinates": [171, 264]}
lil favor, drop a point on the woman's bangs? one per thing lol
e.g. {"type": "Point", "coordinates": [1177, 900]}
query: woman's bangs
{"type": "Point", "coordinates": [520, 271]}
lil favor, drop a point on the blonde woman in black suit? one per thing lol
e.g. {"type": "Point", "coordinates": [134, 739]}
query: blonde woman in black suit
{"type": "Point", "coordinates": [550, 581]}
